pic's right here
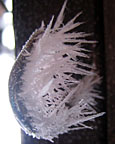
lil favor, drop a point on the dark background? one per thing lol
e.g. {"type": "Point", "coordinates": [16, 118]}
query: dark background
{"type": "Point", "coordinates": [100, 20]}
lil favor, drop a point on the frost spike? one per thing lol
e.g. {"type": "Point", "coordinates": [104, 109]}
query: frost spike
{"type": "Point", "coordinates": [48, 29]}
{"type": "Point", "coordinates": [59, 20]}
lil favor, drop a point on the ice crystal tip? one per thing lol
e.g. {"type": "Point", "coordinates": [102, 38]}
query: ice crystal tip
{"type": "Point", "coordinates": [52, 86]}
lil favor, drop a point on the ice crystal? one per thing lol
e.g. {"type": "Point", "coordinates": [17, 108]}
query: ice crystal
{"type": "Point", "coordinates": [58, 90]}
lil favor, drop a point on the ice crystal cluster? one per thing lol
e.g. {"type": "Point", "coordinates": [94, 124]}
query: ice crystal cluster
{"type": "Point", "coordinates": [58, 89]}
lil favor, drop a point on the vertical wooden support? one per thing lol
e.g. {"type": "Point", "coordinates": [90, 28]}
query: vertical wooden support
{"type": "Point", "coordinates": [109, 34]}
{"type": "Point", "coordinates": [28, 16]}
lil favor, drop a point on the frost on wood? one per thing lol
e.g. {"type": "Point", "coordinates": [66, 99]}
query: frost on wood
{"type": "Point", "coordinates": [58, 90]}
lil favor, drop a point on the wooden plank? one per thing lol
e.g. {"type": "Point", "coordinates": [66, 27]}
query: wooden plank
{"type": "Point", "coordinates": [109, 25]}
{"type": "Point", "coordinates": [28, 16]}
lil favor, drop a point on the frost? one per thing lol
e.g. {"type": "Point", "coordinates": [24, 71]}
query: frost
{"type": "Point", "coordinates": [58, 89]}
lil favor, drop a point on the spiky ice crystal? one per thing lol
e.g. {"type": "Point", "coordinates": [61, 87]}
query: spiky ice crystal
{"type": "Point", "coordinates": [57, 90]}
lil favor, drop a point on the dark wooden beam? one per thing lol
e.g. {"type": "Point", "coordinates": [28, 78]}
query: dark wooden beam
{"type": "Point", "coordinates": [28, 16]}
{"type": "Point", "coordinates": [109, 34]}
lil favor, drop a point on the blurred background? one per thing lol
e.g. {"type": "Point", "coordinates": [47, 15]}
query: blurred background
{"type": "Point", "coordinates": [9, 128]}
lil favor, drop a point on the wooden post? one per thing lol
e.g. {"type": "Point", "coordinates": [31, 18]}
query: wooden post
{"type": "Point", "coordinates": [28, 16]}
{"type": "Point", "coordinates": [109, 34]}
